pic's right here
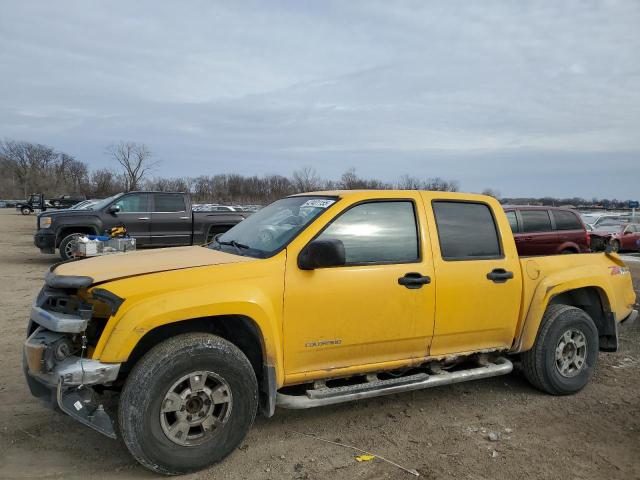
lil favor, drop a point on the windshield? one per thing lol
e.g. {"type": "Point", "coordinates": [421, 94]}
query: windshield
{"type": "Point", "coordinates": [103, 203]}
{"type": "Point", "coordinates": [271, 228]}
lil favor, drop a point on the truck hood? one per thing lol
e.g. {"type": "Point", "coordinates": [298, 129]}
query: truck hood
{"type": "Point", "coordinates": [112, 267]}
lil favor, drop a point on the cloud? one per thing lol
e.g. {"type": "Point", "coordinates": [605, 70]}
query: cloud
{"type": "Point", "coordinates": [498, 94]}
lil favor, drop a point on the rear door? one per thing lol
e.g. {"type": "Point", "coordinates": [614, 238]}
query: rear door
{"type": "Point", "coordinates": [134, 214]}
{"type": "Point", "coordinates": [171, 223]}
{"type": "Point", "coordinates": [478, 281]}
{"type": "Point", "coordinates": [537, 235]}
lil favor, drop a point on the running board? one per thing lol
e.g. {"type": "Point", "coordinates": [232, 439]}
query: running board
{"type": "Point", "coordinates": [376, 388]}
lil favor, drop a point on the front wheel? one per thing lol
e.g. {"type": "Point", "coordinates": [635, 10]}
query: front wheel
{"type": "Point", "coordinates": [188, 403]}
{"type": "Point", "coordinates": [26, 211]}
{"type": "Point", "coordinates": [68, 246]}
{"type": "Point", "coordinates": [564, 357]}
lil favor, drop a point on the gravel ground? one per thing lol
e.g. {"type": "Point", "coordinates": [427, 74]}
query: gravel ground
{"type": "Point", "coordinates": [499, 428]}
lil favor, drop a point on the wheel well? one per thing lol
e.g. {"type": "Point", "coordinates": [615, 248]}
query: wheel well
{"type": "Point", "coordinates": [69, 230]}
{"type": "Point", "coordinates": [237, 329]}
{"type": "Point", "coordinates": [593, 301]}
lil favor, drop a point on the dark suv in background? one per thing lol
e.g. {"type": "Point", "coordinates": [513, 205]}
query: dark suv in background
{"type": "Point", "coordinates": [154, 219]}
{"type": "Point", "coordinates": [547, 230]}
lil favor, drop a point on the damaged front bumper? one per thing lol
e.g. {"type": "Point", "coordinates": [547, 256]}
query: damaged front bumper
{"type": "Point", "coordinates": [65, 379]}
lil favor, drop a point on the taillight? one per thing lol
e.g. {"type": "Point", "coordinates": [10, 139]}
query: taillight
{"type": "Point", "coordinates": [588, 235]}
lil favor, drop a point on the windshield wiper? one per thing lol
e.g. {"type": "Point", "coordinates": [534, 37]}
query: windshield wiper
{"type": "Point", "coordinates": [238, 246]}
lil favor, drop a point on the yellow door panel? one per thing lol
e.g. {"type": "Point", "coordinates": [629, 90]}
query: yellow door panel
{"type": "Point", "coordinates": [359, 314]}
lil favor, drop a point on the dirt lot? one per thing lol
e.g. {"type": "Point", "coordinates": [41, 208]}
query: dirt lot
{"type": "Point", "coordinates": [443, 433]}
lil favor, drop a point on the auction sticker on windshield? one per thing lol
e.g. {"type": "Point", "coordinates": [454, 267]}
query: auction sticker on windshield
{"type": "Point", "coordinates": [319, 203]}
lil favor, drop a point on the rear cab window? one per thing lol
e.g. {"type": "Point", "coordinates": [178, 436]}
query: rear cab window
{"type": "Point", "coordinates": [466, 230]}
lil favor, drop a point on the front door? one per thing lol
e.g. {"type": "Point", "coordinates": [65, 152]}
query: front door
{"type": "Point", "coordinates": [134, 214]}
{"type": "Point", "coordinates": [478, 284]}
{"type": "Point", "coordinates": [359, 313]}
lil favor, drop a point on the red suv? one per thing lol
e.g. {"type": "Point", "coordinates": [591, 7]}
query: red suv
{"type": "Point", "coordinates": [547, 230]}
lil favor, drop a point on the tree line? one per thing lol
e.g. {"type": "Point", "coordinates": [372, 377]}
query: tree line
{"type": "Point", "coordinates": [27, 168]}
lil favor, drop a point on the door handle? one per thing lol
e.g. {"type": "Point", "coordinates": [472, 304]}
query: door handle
{"type": "Point", "coordinates": [414, 280]}
{"type": "Point", "coordinates": [184, 218]}
{"type": "Point", "coordinates": [143, 218]}
{"type": "Point", "coordinates": [499, 275]}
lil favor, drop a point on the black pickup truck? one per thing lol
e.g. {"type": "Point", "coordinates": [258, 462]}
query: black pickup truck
{"type": "Point", "coordinates": [154, 219]}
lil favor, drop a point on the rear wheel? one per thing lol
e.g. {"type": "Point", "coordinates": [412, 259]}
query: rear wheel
{"type": "Point", "coordinates": [188, 403]}
{"type": "Point", "coordinates": [68, 246]}
{"type": "Point", "coordinates": [564, 357]}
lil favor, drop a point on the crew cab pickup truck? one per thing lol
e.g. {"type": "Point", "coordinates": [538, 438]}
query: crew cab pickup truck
{"type": "Point", "coordinates": [154, 219]}
{"type": "Point", "coordinates": [316, 299]}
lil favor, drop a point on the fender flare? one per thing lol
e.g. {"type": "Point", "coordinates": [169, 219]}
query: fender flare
{"type": "Point", "coordinates": [545, 291]}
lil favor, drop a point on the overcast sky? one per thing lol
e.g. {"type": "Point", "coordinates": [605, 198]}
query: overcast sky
{"type": "Point", "coordinates": [530, 98]}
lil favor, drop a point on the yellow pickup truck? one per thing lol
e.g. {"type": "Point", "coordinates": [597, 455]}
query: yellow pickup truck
{"type": "Point", "coordinates": [316, 299]}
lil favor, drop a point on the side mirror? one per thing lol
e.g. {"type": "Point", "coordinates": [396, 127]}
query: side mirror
{"type": "Point", "coordinates": [114, 209]}
{"type": "Point", "coordinates": [322, 253]}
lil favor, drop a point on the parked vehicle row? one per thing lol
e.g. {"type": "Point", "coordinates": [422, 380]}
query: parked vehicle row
{"type": "Point", "coordinates": [215, 207]}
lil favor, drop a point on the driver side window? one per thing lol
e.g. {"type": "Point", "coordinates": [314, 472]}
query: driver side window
{"type": "Point", "coordinates": [134, 203]}
{"type": "Point", "coordinates": [377, 232]}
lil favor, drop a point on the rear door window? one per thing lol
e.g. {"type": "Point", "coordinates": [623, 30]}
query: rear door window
{"type": "Point", "coordinates": [167, 202]}
{"type": "Point", "coordinates": [467, 230]}
{"type": "Point", "coordinates": [535, 221]}
{"type": "Point", "coordinates": [566, 220]}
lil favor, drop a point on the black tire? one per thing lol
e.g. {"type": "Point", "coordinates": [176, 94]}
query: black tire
{"type": "Point", "coordinates": [152, 378]}
{"type": "Point", "coordinates": [540, 364]}
{"type": "Point", "coordinates": [567, 251]}
{"type": "Point", "coordinates": [25, 211]}
{"type": "Point", "coordinates": [67, 246]}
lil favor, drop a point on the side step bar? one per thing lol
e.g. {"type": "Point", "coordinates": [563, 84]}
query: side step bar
{"type": "Point", "coordinates": [376, 388]}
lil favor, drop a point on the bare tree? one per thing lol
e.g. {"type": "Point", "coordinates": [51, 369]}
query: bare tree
{"type": "Point", "coordinates": [306, 179]}
{"type": "Point", "coordinates": [135, 161]}
{"type": "Point", "coordinates": [31, 162]}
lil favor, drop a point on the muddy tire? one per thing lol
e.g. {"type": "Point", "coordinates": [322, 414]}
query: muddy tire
{"type": "Point", "coordinates": [67, 246]}
{"type": "Point", "coordinates": [188, 403]}
{"type": "Point", "coordinates": [565, 354]}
